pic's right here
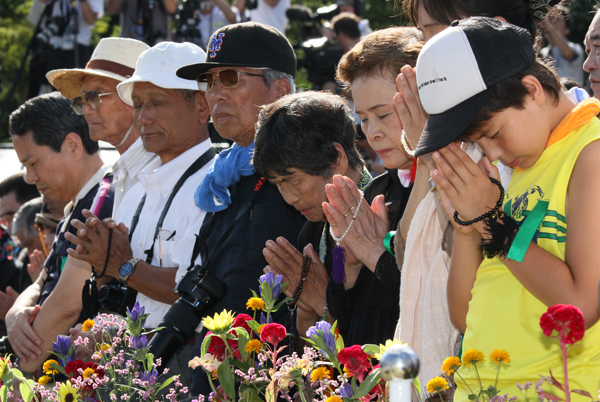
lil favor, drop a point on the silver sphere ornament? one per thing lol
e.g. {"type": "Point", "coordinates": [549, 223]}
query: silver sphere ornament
{"type": "Point", "coordinates": [399, 362]}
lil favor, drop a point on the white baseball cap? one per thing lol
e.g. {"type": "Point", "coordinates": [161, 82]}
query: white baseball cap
{"type": "Point", "coordinates": [159, 64]}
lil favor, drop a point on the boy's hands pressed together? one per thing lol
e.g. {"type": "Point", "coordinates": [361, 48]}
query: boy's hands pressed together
{"type": "Point", "coordinates": [464, 186]}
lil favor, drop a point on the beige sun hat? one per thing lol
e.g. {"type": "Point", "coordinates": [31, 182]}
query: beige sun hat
{"type": "Point", "coordinates": [113, 58]}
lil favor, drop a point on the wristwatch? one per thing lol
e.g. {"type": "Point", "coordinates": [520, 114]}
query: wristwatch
{"type": "Point", "coordinates": [126, 269]}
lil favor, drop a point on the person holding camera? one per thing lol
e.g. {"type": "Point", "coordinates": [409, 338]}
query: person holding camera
{"type": "Point", "coordinates": [53, 144]}
{"type": "Point", "coordinates": [268, 12]}
{"type": "Point", "coordinates": [196, 20]}
{"type": "Point", "coordinates": [172, 116]}
{"type": "Point", "coordinates": [68, 32]}
{"type": "Point", "coordinates": [146, 20]}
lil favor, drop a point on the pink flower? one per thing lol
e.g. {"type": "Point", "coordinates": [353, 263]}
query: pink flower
{"type": "Point", "coordinates": [273, 333]}
{"type": "Point", "coordinates": [567, 320]}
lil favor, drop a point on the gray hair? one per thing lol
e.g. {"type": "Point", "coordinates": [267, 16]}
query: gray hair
{"type": "Point", "coordinates": [271, 76]}
{"type": "Point", "coordinates": [25, 217]}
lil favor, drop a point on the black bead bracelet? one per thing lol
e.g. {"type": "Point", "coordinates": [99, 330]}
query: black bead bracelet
{"type": "Point", "coordinates": [489, 213]}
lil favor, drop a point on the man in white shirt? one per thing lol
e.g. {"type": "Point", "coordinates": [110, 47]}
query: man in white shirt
{"type": "Point", "coordinates": [215, 14]}
{"type": "Point", "coordinates": [93, 93]}
{"type": "Point", "coordinates": [271, 12]}
{"type": "Point", "coordinates": [172, 117]}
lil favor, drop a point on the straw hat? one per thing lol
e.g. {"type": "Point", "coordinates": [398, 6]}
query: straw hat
{"type": "Point", "coordinates": [113, 58]}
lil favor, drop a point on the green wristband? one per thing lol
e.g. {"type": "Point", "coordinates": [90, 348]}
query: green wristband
{"type": "Point", "coordinates": [387, 240]}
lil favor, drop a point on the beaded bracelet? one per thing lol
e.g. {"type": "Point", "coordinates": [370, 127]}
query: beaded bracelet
{"type": "Point", "coordinates": [298, 291]}
{"type": "Point", "coordinates": [489, 213]}
{"type": "Point", "coordinates": [405, 145]}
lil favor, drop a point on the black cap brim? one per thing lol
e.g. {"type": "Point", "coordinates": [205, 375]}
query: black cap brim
{"type": "Point", "coordinates": [444, 128]}
{"type": "Point", "coordinates": [192, 71]}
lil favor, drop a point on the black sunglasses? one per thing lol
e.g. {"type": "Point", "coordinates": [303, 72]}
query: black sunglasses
{"type": "Point", "coordinates": [92, 98]}
{"type": "Point", "coordinates": [228, 78]}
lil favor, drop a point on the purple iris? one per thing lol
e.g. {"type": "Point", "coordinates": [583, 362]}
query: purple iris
{"type": "Point", "coordinates": [138, 311]}
{"type": "Point", "coordinates": [322, 329]}
{"type": "Point", "coordinates": [263, 319]}
{"type": "Point", "coordinates": [149, 376]}
{"type": "Point", "coordinates": [346, 390]}
{"type": "Point", "coordinates": [139, 342]}
{"type": "Point", "coordinates": [273, 281]}
{"type": "Point", "coordinates": [61, 347]}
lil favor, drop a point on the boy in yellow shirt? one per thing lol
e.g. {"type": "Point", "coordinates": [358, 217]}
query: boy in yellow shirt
{"type": "Point", "coordinates": [480, 82]}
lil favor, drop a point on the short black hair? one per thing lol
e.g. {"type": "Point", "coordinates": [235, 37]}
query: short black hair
{"type": "Point", "coordinates": [299, 131]}
{"type": "Point", "coordinates": [25, 217]}
{"type": "Point", "coordinates": [346, 23]}
{"type": "Point", "coordinates": [23, 191]}
{"type": "Point", "coordinates": [50, 118]}
{"type": "Point", "coordinates": [511, 92]}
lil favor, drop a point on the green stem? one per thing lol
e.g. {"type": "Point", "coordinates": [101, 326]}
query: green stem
{"type": "Point", "coordinates": [479, 378]}
{"type": "Point", "coordinates": [440, 394]}
{"type": "Point", "coordinates": [497, 373]}
{"type": "Point", "coordinates": [463, 380]}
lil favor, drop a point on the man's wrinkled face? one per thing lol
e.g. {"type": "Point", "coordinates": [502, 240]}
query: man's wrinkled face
{"type": "Point", "coordinates": [235, 110]}
{"type": "Point", "coordinates": [113, 117]}
{"type": "Point", "coordinates": [592, 48]}
{"type": "Point", "coordinates": [167, 122]}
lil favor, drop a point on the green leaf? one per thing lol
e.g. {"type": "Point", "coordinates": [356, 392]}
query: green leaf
{"type": "Point", "coordinates": [253, 325]}
{"type": "Point", "coordinates": [417, 385]}
{"type": "Point", "coordinates": [281, 303]}
{"type": "Point", "coordinates": [243, 338]}
{"type": "Point", "coordinates": [371, 349]}
{"type": "Point", "coordinates": [4, 393]}
{"type": "Point", "coordinates": [149, 360]}
{"type": "Point", "coordinates": [472, 397]}
{"type": "Point", "coordinates": [226, 379]}
{"type": "Point", "coordinates": [339, 343]}
{"type": "Point", "coordinates": [270, 392]}
{"type": "Point", "coordinates": [26, 388]}
{"type": "Point", "coordinates": [367, 385]}
{"type": "Point", "coordinates": [205, 345]}
{"type": "Point", "coordinates": [164, 384]}
{"type": "Point", "coordinates": [58, 367]}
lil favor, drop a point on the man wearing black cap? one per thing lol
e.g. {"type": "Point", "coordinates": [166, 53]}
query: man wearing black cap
{"type": "Point", "coordinates": [247, 65]}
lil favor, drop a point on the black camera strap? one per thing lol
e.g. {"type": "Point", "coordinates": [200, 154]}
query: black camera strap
{"type": "Point", "coordinates": [197, 165]}
{"type": "Point", "coordinates": [206, 229]}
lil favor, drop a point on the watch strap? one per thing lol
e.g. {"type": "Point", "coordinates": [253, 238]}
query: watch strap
{"type": "Point", "coordinates": [133, 262]}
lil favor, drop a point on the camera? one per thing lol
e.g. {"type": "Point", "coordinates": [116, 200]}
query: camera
{"type": "Point", "coordinates": [115, 297]}
{"type": "Point", "coordinates": [198, 292]}
{"type": "Point", "coordinates": [315, 52]}
{"type": "Point", "coordinates": [187, 19]}
{"type": "Point", "coordinates": [54, 26]}
{"type": "Point", "coordinates": [5, 348]}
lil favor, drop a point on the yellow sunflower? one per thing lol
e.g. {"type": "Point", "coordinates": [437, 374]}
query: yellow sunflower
{"type": "Point", "coordinates": [260, 327]}
{"type": "Point", "coordinates": [67, 393]}
{"type": "Point", "coordinates": [253, 345]}
{"type": "Point", "coordinates": [104, 346]}
{"type": "Point", "coordinates": [472, 356]}
{"type": "Point", "coordinates": [450, 365]}
{"type": "Point", "coordinates": [437, 384]}
{"type": "Point", "coordinates": [318, 373]}
{"type": "Point", "coordinates": [500, 356]}
{"type": "Point", "coordinates": [87, 325]}
{"type": "Point", "coordinates": [255, 303]}
{"type": "Point", "coordinates": [219, 324]}
{"type": "Point", "coordinates": [4, 365]}
{"type": "Point", "coordinates": [334, 398]}
{"type": "Point", "coordinates": [43, 380]}
{"type": "Point", "coordinates": [47, 367]}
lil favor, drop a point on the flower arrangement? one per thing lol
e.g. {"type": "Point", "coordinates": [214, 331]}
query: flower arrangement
{"type": "Point", "coordinates": [244, 358]}
{"type": "Point", "coordinates": [119, 366]}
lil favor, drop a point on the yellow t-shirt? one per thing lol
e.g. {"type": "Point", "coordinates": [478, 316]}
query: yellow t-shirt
{"type": "Point", "coordinates": [504, 315]}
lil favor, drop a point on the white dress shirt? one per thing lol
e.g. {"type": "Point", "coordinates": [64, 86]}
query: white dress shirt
{"type": "Point", "coordinates": [157, 182]}
{"type": "Point", "coordinates": [126, 169]}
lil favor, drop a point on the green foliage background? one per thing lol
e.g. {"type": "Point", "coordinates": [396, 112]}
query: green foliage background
{"type": "Point", "coordinates": [15, 33]}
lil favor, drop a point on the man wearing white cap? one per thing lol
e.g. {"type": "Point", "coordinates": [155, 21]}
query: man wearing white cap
{"type": "Point", "coordinates": [93, 93]}
{"type": "Point", "coordinates": [172, 117]}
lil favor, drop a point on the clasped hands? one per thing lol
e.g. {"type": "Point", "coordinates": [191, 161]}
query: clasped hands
{"type": "Point", "coordinates": [92, 243]}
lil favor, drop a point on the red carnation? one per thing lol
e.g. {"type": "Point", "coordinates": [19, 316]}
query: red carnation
{"type": "Point", "coordinates": [273, 333]}
{"type": "Point", "coordinates": [241, 321]}
{"type": "Point", "coordinates": [72, 368]}
{"type": "Point", "coordinates": [217, 347]}
{"type": "Point", "coordinates": [567, 320]}
{"type": "Point", "coordinates": [355, 360]}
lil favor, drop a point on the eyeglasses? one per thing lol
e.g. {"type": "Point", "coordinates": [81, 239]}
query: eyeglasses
{"type": "Point", "coordinates": [92, 98]}
{"type": "Point", "coordinates": [228, 78]}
